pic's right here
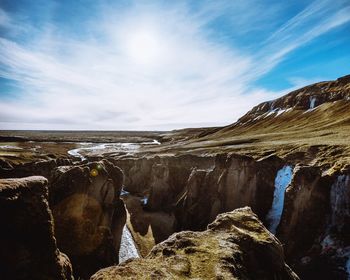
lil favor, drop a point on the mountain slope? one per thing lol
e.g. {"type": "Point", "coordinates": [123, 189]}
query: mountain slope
{"type": "Point", "coordinates": [314, 120]}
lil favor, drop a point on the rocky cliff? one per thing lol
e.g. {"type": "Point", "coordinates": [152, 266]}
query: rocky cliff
{"type": "Point", "coordinates": [305, 209]}
{"type": "Point", "coordinates": [166, 194]}
{"type": "Point", "coordinates": [235, 246]}
{"type": "Point", "coordinates": [89, 216]}
{"type": "Point", "coordinates": [169, 194]}
{"type": "Point", "coordinates": [314, 223]}
{"type": "Point", "coordinates": [27, 242]}
{"type": "Point", "coordinates": [295, 202]}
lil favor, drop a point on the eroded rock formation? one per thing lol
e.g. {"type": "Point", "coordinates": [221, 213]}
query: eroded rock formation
{"type": "Point", "coordinates": [235, 246]}
{"type": "Point", "coordinates": [305, 209]}
{"type": "Point", "coordinates": [89, 216]}
{"type": "Point", "coordinates": [314, 225]}
{"type": "Point", "coordinates": [196, 189]}
{"type": "Point", "coordinates": [27, 242]}
{"type": "Point", "coordinates": [168, 194]}
{"type": "Point", "coordinates": [235, 181]}
{"type": "Point", "coordinates": [160, 179]}
{"type": "Point", "coordinates": [226, 182]}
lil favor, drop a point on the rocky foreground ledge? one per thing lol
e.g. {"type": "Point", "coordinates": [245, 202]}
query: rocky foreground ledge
{"type": "Point", "coordinates": [235, 246]}
{"type": "Point", "coordinates": [28, 247]}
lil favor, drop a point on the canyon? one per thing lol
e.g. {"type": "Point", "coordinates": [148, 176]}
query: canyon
{"type": "Point", "coordinates": [166, 205]}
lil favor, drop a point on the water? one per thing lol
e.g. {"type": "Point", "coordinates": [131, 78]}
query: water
{"type": "Point", "coordinates": [90, 148]}
{"type": "Point", "coordinates": [124, 192]}
{"type": "Point", "coordinates": [144, 200]}
{"type": "Point", "coordinates": [76, 153]}
{"type": "Point", "coordinates": [154, 142]}
{"type": "Point", "coordinates": [282, 180]}
{"type": "Point", "coordinates": [127, 246]}
{"type": "Point", "coordinates": [312, 102]}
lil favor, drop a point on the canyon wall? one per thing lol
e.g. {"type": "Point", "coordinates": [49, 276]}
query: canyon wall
{"type": "Point", "coordinates": [307, 199]}
{"type": "Point", "coordinates": [88, 215]}
{"type": "Point", "coordinates": [167, 194]}
{"type": "Point", "coordinates": [196, 189]}
{"type": "Point", "coordinates": [305, 209]}
{"type": "Point", "coordinates": [315, 223]}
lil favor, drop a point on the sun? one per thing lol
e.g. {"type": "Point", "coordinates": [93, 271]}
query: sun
{"type": "Point", "coordinates": [143, 46]}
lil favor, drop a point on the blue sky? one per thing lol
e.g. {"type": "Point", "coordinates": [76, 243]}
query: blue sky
{"type": "Point", "coordinates": [149, 65]}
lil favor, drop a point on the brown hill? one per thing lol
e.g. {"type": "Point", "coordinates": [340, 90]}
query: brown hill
{"type": "Point", "coordinates": [312, 123]}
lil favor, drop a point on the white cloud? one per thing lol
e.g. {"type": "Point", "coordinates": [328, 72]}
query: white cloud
{"type": "Point", "coordinates": [146, 68]}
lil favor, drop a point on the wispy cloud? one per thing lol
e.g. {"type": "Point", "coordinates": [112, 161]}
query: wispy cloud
{"type": "Point", "coordinates": [315, 20]}
{"type": "Point", "coordinates": [146, 67]}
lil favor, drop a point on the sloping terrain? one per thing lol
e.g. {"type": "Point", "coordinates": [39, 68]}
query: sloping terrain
{"type": "Point", "coordinates": [312, 123]}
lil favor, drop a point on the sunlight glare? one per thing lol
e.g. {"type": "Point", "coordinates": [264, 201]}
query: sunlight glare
{"type": "Point", "coordinates": [143, 46]}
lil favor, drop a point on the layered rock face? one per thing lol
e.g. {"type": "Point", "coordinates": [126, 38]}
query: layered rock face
{"type": "Point", "coordinates": [219, 184]}
{"type": "Point", "coordinates": [148, 227]}
{"type": "Point", "coordinates": [305, 209]}
{"type": "Point", "coordinates": [196, 189]}
{"type": "Point", "coordinates": [314, 224]}
{"type": "Point", "coordinates": [235, 181]}
{"type": "Point", "coordinates": [27, 242]}
{"type": "Point", "coordinates": [235, 246]}
{"type": "Point", "coordinates": [160, 179]}
{"type": "Point", "coordinates": [89, 216]}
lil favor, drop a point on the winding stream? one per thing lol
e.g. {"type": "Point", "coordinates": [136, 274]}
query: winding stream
{"type": "Point", "coordinates": [91, 148]}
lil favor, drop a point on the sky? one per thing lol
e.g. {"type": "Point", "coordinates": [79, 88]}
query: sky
{"type": "Point", "coordinates": [161, 65]}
